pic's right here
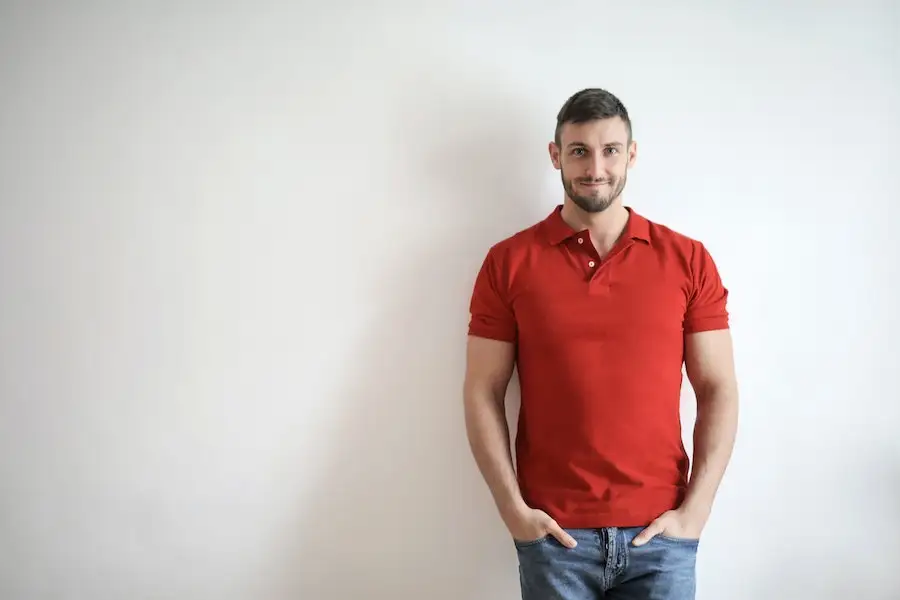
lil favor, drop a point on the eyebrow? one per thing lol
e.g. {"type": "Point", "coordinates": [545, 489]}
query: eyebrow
{"type": "Point", "coordinates": [607, 145]}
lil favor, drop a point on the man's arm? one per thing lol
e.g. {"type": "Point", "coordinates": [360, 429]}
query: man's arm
{"type": "Point", "coordinates": [489, 367]}
{"type": "Point", "coordinates": [709, 362]}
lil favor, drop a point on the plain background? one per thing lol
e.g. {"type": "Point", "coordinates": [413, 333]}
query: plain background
{"type": "Point", "coordinates": [238, 242]}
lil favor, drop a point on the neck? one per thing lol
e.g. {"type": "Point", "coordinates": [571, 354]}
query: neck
{"type": "Point", "coordinates": [604, 227]}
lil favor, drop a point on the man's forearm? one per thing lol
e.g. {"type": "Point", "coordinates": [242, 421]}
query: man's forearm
{"type": "Point", "coordinates": [488, 434]}
{"type": "Point", "coordinates": [714, 435]}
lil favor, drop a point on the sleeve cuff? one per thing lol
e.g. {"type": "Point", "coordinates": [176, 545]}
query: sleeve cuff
{"type": "Point", "coordinates": [494, 333]}
{"type": "Point", "coordinates": [706, 324]}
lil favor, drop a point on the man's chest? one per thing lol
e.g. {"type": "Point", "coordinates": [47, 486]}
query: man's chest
{"type": "Point", "coordinates": [619, 301]}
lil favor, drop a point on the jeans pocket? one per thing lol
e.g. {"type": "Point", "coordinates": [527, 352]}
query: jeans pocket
{"type": "Point", "coordinates": [529, 543]}
{"type": "Point", "coordinates": [678, 540]}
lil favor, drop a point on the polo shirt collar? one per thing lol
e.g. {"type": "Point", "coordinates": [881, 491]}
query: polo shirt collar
{"type": "Point", "coordinates": [557, 231]}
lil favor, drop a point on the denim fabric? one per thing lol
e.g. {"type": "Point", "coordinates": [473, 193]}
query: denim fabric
{"type": "Point", "coordinates": [606, 565]}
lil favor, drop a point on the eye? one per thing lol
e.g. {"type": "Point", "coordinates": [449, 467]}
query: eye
{"type": "Point", "coordinates": [611, 150]}
{"type": "Point", "coordinates": [578, 152]}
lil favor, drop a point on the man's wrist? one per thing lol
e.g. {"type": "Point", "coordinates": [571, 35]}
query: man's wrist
{"type": "Point", "coordinates": [511, 507]}
{"type": "Point", "coordinates": [695, 511]}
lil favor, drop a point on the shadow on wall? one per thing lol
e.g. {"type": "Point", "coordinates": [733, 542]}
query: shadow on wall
{"type": "Point", "coordinates": [401, 511]}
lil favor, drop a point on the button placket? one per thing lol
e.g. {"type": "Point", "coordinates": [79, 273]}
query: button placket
{"type": "Point", "coordinates": [593, 261]}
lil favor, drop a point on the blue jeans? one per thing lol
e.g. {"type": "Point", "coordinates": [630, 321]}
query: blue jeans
{"type": "Point", "coordinates": [604, 564]}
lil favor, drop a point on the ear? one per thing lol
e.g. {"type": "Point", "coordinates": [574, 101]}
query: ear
{"type": "Point", "coordinates": [632, 154]}
{"type": "Point", "coordinates": [554, 155]}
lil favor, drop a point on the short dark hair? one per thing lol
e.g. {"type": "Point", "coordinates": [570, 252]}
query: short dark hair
{"type": "Point", "coordinates": [590, 104]}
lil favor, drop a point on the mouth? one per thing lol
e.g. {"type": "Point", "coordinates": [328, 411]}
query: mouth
{"type": "Point", "coordinates": [592, 183]}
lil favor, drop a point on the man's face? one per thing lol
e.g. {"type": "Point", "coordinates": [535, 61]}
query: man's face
{"type": "Point", "coordinates": [594, 158]}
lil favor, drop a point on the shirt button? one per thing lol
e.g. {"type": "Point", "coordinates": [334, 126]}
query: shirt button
{"type": "Point", "coordinates": [580, 240]}
{"type": "Point", "coordinates": [591, 264]}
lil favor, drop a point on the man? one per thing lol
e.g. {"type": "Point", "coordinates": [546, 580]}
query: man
{"type": "Point", "coordinates": [599, 308]}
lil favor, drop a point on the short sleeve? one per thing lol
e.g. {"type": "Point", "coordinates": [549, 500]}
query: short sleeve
{"type": "Point", "coordinates": [707, 304]}
{"type": "Point", "coordinates": [490, 313]}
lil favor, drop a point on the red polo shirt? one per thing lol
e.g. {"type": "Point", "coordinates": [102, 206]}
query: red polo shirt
{"type": "Point", "coordinates": [599, 353]}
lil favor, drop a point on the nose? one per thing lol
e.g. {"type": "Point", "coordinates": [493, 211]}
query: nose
{"type": "Point", "coordinates": [595, 167]}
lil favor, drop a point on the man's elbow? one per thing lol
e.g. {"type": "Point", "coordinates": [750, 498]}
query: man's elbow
{"type": "Point", "coordinates": [480, 391]}
{"type": "Point", "coordinates": [718, 391]}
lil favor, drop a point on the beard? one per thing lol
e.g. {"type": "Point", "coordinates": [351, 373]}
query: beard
{"type": "Point", "coordinates": [598, 200]}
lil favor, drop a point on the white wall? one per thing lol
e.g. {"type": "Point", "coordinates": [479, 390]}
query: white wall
{"type": "Point", "coordinates": [238, 243]}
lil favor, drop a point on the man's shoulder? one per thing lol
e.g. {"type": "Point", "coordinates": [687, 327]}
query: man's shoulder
{"type": "Point", "coordinates": [666, 236]}
{"type": "Point", "coordinates": [520, 240]}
